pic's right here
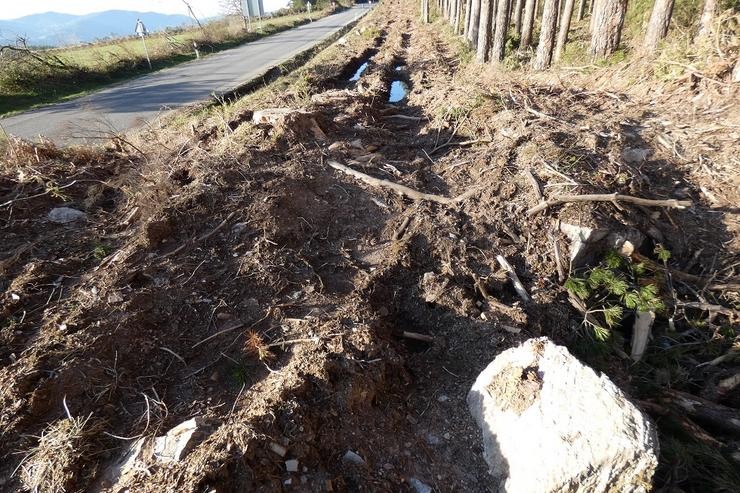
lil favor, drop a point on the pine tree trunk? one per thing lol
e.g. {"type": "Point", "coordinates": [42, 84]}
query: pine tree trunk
{"type": "Point", "coordinates": [500, 30]}
{"type": "Point", "coordinates": [468, 8]}
{"type": "Point", "coordinates": [528, 24]}
{"type": "Point", "coordinates": [474, 24]}
{"type": "Point", "coordinates": [425, 11]}
{"type": "Point", "coordinates": [581, 9]}
{"type": "Point", "coordinates": [707, 18]}
{"type": "Point", "coordinates": [518, 6]}
{"type": "Point", "coordinates": [607, 24]}
{"type": "Point", "coordinates": [564, 27]}
{"type": "Point", "coordinates": [658, 26]}
{"type": "Point", "coordinates": [484, 31]}
{"type": "Point", "coordinates": [547, 35]}
{"type": "Point", "coordinates": [453, 13]}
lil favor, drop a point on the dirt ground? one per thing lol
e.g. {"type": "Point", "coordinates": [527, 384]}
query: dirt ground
{"type": "Point", "coordinates": [227, 272]}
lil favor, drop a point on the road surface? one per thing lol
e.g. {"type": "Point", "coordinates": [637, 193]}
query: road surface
{"type": "Point", "coordinates": [133, 103]}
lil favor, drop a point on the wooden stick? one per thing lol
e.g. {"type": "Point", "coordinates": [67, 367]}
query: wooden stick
{"type": "Point", "coordinates": [609, 197]}
{"type": "Point", "coordinates": [401, 189]}
{"type": "Point", "coordinates": [535, 184]}
{"type": "Point", "coordinates": [399, 232]}
{"type": "Point", "coordinates": [711, 308]}
{"type": "Point", "coordinates": [404, 117]}
{"type": "Point", "coordinates": [518, 286]}
{"type": "Point", "coordinates": [418, 337]}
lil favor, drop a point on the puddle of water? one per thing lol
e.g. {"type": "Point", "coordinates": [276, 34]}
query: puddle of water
{"type": "Point", "coordinates": [398, 91]}
{"type": "Point", "coordinates": [359, 72]}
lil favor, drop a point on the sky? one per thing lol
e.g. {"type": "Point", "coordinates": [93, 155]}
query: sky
{"type": "Point", "coordinates": [11, 9]}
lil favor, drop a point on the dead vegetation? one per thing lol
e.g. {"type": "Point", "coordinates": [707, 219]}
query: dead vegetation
{"type": "Point", "coordinates": [227, 270]}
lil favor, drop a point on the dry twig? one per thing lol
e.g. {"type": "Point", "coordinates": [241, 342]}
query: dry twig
{"type": "Point", "coordinates": [609, 197]}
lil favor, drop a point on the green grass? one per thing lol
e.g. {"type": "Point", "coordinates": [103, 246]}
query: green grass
{"type": "Point", "coordinates": [26, 83]}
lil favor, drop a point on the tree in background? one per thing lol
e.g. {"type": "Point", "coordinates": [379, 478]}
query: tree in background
{"type": "Point", "coordinates": [707, 18]}
{"type": "Point", "coordinates": [474, 23]}
{"type": "Point", "coordinates": [484, 31]}
{"type": "Point", "coordinates": [527, 24]}
{"type": "Point", "coordinates": [564, 28]}
{"type": "Point", "coordinates": [236, 7]}
{"type": "Point", "coordinates": [547, 35]}
{"type": "Point", "coordinates": [606, 27]}
{"type": "Point", "coordinates": [518, 7]}
{"type": "Point", "coordinates": [425, 11]}
{"type": "Point", "coordinates": [657, 28]}
{"type": "Point", "coordinates": [501, 27]}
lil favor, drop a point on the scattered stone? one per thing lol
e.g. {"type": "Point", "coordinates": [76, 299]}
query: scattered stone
{"type": "Point", "coordinates": [278, 449]}
{"type": "Point", "coordinates": [419, 486]}
{"type": "Point", "coordinates": [537, 404]}
{"type": "Point", "coordinates": [433, 439]}
{"type": "Point", "coordinates": [14, 297]}
{"type": "Point", "coordinates": [176, 444]}
{"type": "Point", "coordinates": [635, 155]}
{"type": "Point", "coordinates": [353, 458]}
{"type": "Point", "coordinates": [66, 215]}
{"type": "Point", "coordinates": [123, 468]}
{"type": "Point", "coordinates": [447, 436]}
{"type": "Point", "coordinates": [336, 146]}
{"type": "Point", "coordinates": [271, 115]}
{"type": "Point", "coordinates": [442, 398]}
{"type": "Point", "coordinates": [291, 465]}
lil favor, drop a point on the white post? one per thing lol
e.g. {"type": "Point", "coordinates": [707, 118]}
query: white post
{"type": "Point", "coordinates": [141, 31]}
{"type": "Point", "coordinates": [308, 7]}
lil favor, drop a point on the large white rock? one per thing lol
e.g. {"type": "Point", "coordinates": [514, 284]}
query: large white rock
{"type": "Point", "coordinates": [551, 424]}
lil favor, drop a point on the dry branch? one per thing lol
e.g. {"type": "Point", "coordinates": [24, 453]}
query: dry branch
{"type": "Point", "coordinates": [518, 286]}
{"type": "Point", "coordinates": [402, 189]}
{"type": "Point", "coordinates": [719, 416]}
{"type": "Point", "coordinates": [609, 197]}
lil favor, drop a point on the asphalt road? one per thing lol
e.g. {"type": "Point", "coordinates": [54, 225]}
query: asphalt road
{"type": "Point", "coordinates": [133, 103]}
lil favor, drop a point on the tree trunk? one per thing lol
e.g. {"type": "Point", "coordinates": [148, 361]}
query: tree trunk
{"type": "Point", "coordinates": [500, 30]}
{"type": "Point", "coordinates": [459, 17]}
{"type": "Point", "coordinates": [658, 25]}
{"type": "Point", "coordinates": [474, 24]}
{"type": "Point", "coordinates": [547, 35]}
{"type": "Point", "coordinates": [518, 6]}
{"type": "Point", "coordinates": [564, 27]}
{"type": "Point", "coordinates": [468, 8]}
{"type": "Point", "coordinates": [581, 9]}
{"type": "Point", "coordinates": [425, 11]}
{"type": "Point", "coordinates": [484, 31]}
{"type": "Point", "coordinates": [707, 18]}
{"type": "Point", "coordinates": [528, 24]}
{"type": "Point", "coordinates": [607, 24]}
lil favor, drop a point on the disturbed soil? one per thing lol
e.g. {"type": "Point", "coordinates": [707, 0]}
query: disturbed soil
{"type": "Point", "coordinates": [227, 272]}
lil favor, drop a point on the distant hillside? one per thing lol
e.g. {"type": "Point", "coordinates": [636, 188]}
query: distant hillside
{"type": "Point", "coordinates": [55, 29]}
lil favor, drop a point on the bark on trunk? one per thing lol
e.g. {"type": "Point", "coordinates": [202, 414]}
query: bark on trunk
{"type": "Point", "coordinates": [484, 31]}
{"type": "Point", "coordinates": [501, 27]}
{"type": "Point", "coordinates": [658, 27]}
{"type": "Point", "coordinates": [707, 18]}
{"type": "Point", "coordinates": [607, 24]}
{"type": "Point", "coordinates": [474, 24]}
{"type": "Point", "coordinates": [518, 6]}
{"type": "Point", "coordinates": [547, 35]}
{"type": "Point", "coordinates": [425, 11]}
{"type": "Point", "coordinates": [564, 27]}
{"type": "Point", "coordinates": [527, 24]}
{"type": "Point", "coordinates": [468, 8]}
{"type": "Point", "coordinates": [581, 9]}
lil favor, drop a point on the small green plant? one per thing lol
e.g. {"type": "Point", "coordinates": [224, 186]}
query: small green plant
{"type": "Point", "coordinates": [101, 251]}
{"type": "Point", "coordinates": [616, 284]}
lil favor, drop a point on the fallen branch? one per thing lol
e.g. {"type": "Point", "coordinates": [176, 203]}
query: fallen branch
{"type": "Point", "coordinates": [732, 285]}
{"type": "Point", "coordinates": [711, 308]}
{"type": "Point", "coordinates": [404, 117]}
{"type": "Point", "coordinates": [609, 197]}
{"type": "Point", "coordinates": [401, 189]}
{"type": "Point", "coordinates": [518, 286]}
{"type": "Point", "coordinates": [399, 232]}
{"type": "Point", "coordinates": [719, 416]}
{"type": "Point", "coordinates": [534, 183]}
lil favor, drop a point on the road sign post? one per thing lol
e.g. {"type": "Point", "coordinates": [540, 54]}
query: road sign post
{"type": "Point", "coordinates": [141, 31]}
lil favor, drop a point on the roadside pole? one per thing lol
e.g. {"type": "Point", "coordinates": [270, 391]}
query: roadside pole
{"type": "Point", "coordinates": [308, 8]}
{"type": "Point", "coordinates": [141, 31]}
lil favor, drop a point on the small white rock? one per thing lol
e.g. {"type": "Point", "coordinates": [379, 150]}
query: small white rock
{"type": "Point", "coordinates": [278, 449]}
{"type": "Point", "coordinates": [291, 465]}
{"type": "Point", "coordinates": [14, 297]}
{"type": "Point", "coordinates": [173, 446]}
{"type": "Point", "coordinates": [65, 215]}
{"type": "Point", "coordinates": [353, 458]}
{"type": "Point", "coordinates": [419, 486]}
